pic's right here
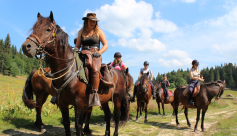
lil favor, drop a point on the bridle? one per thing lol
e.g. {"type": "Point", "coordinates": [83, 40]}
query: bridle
{"type": "Point", "coordinates": [219, 92]}
{"type": "Point", "coordinates": [41, 49]}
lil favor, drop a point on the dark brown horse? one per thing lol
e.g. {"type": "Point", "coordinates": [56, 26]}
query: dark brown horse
{"type": "Point", "coordinates": [202, 100]}
{"type": "Point", "coordinates": [143, 95]}
{"type": "Point", "coordinates": [160, 98]}
{"type": "Point", "coordinates": [49, 38]}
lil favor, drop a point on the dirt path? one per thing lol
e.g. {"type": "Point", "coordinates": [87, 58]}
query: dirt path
{"type": "Point", "coordinates": [156, 126]}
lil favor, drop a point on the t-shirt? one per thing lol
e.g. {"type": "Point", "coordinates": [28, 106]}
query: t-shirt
{"type": "Point", "coordinates": [164, 84]}
{"type": "Point", "coordinates": [147, 70]}
{"type": "Point", "coordinates": [117, 66]}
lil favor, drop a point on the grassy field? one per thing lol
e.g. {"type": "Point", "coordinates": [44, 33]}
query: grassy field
{"type": "Point", "coordinates": [16, 119]}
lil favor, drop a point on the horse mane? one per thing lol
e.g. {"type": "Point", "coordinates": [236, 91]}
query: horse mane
{"type": "Point", "coordinates": [213, 82]}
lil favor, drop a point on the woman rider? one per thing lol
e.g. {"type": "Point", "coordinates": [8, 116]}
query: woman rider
{"type": "Point", "coordinates": [89, 38]}
{"type": "Point", "coordinates": [194, 74]}
{"type": "Point", "coordinates": [143, 71]}
{"type": "Point", "coordinates": [118, 63]}
{"type": "Point", "coordinates": [164, 84]}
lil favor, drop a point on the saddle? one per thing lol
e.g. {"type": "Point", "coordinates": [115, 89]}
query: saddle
{"type": "Point", "coordinates": [169, 92]}
{"type": "Point", "coordinates": [195, 91]}
{"type": "Point", "coordinates": [106, 78]}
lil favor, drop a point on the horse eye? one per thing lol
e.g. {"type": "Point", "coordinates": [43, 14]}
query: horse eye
{"type": "Point", "coordinates": [48, 30]}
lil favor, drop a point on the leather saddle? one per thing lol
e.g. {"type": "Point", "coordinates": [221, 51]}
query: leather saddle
{"type": "Point", "coordinates": [195, 91]}
{"type": "Point", "coordinates": [106, 78]}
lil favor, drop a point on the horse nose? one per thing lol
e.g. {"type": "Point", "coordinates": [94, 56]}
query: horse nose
{"type": "Point", "coordinates": [28, 46]}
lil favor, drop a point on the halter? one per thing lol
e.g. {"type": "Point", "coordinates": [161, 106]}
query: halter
{"type": "Point", "coordinates": [219, 92]}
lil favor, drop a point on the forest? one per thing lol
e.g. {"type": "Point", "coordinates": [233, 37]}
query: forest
{"type": "Point", "coordinates": [13, 62]}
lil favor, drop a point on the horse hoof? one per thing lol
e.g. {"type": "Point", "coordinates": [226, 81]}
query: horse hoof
{"type": "Point", "coordinates": [145, 121]}
{"type": "Point", "coordinates": [195, 130]}
{"type": "Point", "coordinates": [189, 125]}
{"type": "Point", "coordinates": [158, 114]}
{"type": "Point", "coordinates": [42, 130]}
{"type": "Point", "coordinates": [178, 124]}
{"type": "Point", "coordinates": [163, 115]}
{"type": "Point", "coordinates": [203, 130]}
{"type": "Point", "coordinates": [136, 120]}
{"type": "Point", "coordinates": [107, 133]}
{"type": "Point", "coordinates": [115, 134]}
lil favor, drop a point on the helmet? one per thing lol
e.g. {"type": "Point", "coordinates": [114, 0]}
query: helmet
{"type": "Point", "coordinates": [146, 63]}
{"type": "Point", "coordinates": [117, 54]}
{"type": "Point", "coordinates": [195, 62]}
{"type": "Point", "coordinates": [164, 75]}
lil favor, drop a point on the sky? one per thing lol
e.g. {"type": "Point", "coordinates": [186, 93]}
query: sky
{"type": "Point", "coordinates": [169, 34]}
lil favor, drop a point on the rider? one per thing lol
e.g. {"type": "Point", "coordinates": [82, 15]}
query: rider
{"type": "Point", "coordinates": [194, 74]}
{"type": "Point", "coordinates": [89, 38]}
{"type": "Point", "coordinates": [142, 71]}
{"type": "Point", "coordinates": [118, 63]}
{"type": "Point", "coordinates": [165, 83]}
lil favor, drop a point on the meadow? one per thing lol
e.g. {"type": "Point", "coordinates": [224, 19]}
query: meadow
{"type": "Point", "coordinates": [16, 119]}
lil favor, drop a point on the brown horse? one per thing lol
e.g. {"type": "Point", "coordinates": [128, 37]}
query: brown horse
{"type": "Point", "coordinates": [49, 38]}
{"type": "Point", "coordinates": [143, 95]}
{"type": "Point", "coordinates": [202, 100]}
{"type": "Point", "coordinates": [160, 98]}
{"type": "Point", "coordinates": [41, 87]}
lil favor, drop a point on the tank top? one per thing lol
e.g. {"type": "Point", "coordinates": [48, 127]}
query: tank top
{"type": "Point", "coordinates": [90, 41]}
{"type": "Point", "coordinates": [195, 74]}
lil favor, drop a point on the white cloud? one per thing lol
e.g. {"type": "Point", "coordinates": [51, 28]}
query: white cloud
{"type": "Point", "coordinates": [184, 63]}
{"type": "Point", "coordinates": [145, 45]}
{"type": "Point", "coordinates": [126, 18]}
{"type": "Point", "coordinates": [177, 54]}
{"type": "Point", "coordinates": [74, 31]}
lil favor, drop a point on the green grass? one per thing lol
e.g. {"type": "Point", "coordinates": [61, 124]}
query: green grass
{"type": "Point", "coordinates": [16, 118]}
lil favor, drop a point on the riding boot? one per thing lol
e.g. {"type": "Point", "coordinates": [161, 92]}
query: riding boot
{"type": "Point", "coordinates": [94, 99]}
{"type": "Point", "coordinates": [166, 95]}
{"type": "Point", "coordinates": [134, 93]}
{"type": "Point", "coordinates": [53, 100]}
{"type": "Point", "coordinates": [190, 101]}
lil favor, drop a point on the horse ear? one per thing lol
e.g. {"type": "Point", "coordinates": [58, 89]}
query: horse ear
{"type": "Point", "coordinates": [38, 15]}
{"type": "Point", "coordinates": [51, 16]}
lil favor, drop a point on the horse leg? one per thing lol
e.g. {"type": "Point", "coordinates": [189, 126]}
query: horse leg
{"type": "Point", "coordinates": [146, 113]}
{"type": "Point", "coordinates": [203, 116]}
{"type": "Point", "coordinates": [186, 115]}
{"type": "Point", "coordinates": [197, 119]}
{"type": "Point", "coordinates": [176, 106]}
{"type": "Point", "coordinates": [141, 107]}
{"type": "Point", "coordinates": [158, 108]}
{"type": "Point", "coordinates": [117, 107]}
{"type": "Point", "coordinates": [163, 107]}
{"type": "Point", "coordinates": [172, 104]}
{"type": "Point", "coordinates": [87, 115]}
{"type": "Point", "coordinates": [138, 108]}
{"type": "Point", "coordinates": [40, 99]}
{"type": "Point", "coordinates": [66, 121]}
{"type": "Point", "coordinates": [105, 107]}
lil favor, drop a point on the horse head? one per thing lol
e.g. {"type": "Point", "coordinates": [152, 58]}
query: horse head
{"type": "Point", "coordinates": [129, 82]}
{"type": "Point", "coordinates": [145, 82]}
{"type": "Point", "coordinates": [222, 86]}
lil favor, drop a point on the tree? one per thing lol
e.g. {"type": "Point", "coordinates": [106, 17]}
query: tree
{"type": "Point", "coordinates": [180, 81]}
{"type": "Point", "coordinates": [1, 55]}
{"type": "Point", "coordinates": [7, 64]}
{"type": "Point", "coordinates": [231, 82]}
{"type": "Point", "coordinates": [14, 69]}
{"type": "Point", "coordinates": [217, 74]}
{"type": "Point", "coordinates": [7, 45]}
{"type": "Point", "coordinates": [211, 74]}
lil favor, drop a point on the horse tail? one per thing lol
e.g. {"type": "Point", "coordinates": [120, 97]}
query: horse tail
{"type": "Point", "coordinates": [124, 110]}
{"type": "Point", "coordinates": [27, 95]}
{"type": "Point", "coordinates": [143, 106]}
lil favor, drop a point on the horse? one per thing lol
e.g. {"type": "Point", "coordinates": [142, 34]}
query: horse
{"type": "Point", "coordinates": [143, 95]}
{"type": "Point", "coordinates": [49, 39]}
{"type": "Point", "coordinates": [201, 101]}
{"type": "Point", "coordinates": [161, 99]}
{"type": "Point", "coordinates": [41, 87]}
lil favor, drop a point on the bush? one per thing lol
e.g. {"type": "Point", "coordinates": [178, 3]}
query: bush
{"type": "Point", "coordinates": [172, 85]}
{"type": "Point", "coordinates": [14, 69]}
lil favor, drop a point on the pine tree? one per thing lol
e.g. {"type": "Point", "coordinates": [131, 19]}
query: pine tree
{"type": "Point", "coordinates": [217, 74]}
{"type": "Point", "coordinates": [7, 64]}
{"type": "Point", "coordinates": [7, 45]}
{"type": "Point", "coordinates": [231, 82]}
{"type": "Point", "coordinates": [1, 55]}
{"type": "Point", "coordinates": [14, 69]}
{"type": "Point", "coordinates": [211, 73]}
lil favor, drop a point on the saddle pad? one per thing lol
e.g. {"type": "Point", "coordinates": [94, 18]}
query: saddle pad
{"type": "Point", "coordinates": [169, 92]}
{"type": "Point", "coordinates": [81, 75]}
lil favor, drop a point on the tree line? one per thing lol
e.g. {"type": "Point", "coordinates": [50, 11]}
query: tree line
{"type": "Point", "coordinates": [14, 62]}
{"type": "Point", "coordinates": [227, 72]}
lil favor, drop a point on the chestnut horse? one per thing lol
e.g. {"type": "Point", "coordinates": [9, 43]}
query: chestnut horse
{"type": "Point", "coordinates": [161, 99]}
{"type": "Point", "coordinates": [202, 100]}
{"type": "Point", "coordinates": [50, 39]}
{"type": "Point", "coordinates": [143, 95]}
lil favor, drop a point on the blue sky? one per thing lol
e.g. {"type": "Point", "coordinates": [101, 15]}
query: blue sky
{"type": "Point", "coordinates": [167, 33]}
